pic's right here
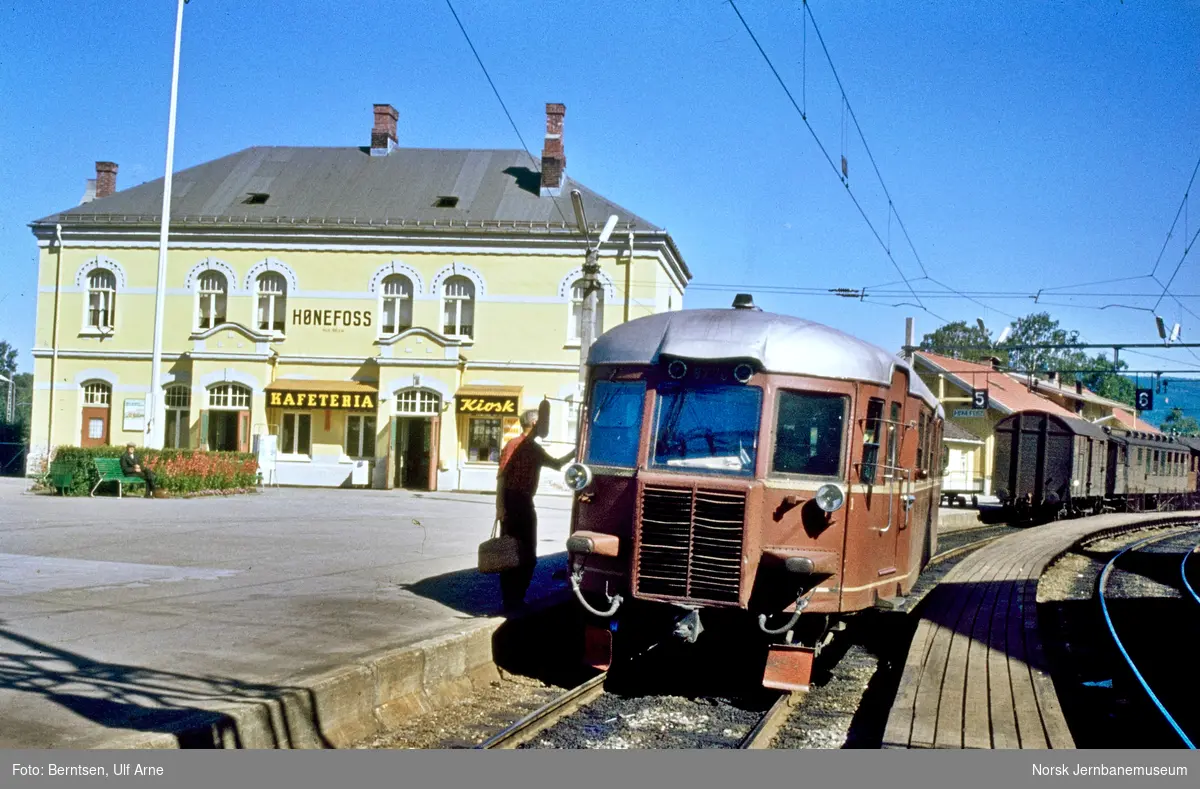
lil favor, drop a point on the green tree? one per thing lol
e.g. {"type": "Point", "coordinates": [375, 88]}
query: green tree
{"type": "Point", "coordinates": [1176, 422]}
{"type": "Point", "coordinates": [8, 359]}
{"type": "Point", "coordinates": [1040, 329]}
{"type": "Point", "coordinates": [24, 402]}
{"type": "Point", "coordinates": [1106, 380]}
{"type": "Point", "coordinates": [957, 334]}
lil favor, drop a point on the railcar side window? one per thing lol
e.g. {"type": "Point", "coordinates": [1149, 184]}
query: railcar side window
{"type": "Point", "coordinates": [921, 441]}
{"type": "Point", "coordinates": [615, 423]}
{"type": "Point", "coordinates": [808, 433]}
{"type": "Point", "coordinates": [893, 435]}
{"type": "Point", "coordinates": [871, 439]}
{"type": "Point", "coordinates": [708, 428]}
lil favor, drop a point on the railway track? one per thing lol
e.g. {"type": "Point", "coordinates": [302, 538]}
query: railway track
{"type": "Point", "coordinates": [1132, 648]}
{"type": "Point", "coordinates": [760, 735]}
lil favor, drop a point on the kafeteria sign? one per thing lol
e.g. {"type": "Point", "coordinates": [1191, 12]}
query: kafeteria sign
{"type": "Point", "coordinates": [338, 400]}
{"type": "Point", "coordinates": [489, 405]}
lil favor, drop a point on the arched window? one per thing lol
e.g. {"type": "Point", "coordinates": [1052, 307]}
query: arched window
{"type": "Point", "coordinates": [458, 307]}
{"type": "Point", "coordinates": [418, 402]}
{"type": "Point", "coordinates": [575, 333]}
{"type": "Point", "coordinates": [97, 393]}
{"type": "Point", "coordinates": [178, 400]}
{"type": "Point", "coordinates": [397, 304]}
{"type": "Point", "coordinates": [102, 299]}
{"type": "Point", "coordinates": [212, 298]}
{"type": "Point", "coordinates": [229, 396]}
{"type": "Point", "coordinates": [272, 302]}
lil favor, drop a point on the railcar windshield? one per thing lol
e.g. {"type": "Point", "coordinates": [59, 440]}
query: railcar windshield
{"type": "Point", "coordinates": [808, 434]}
{"type": "Point", "coordinates": [615, 423]}
{"type": "Point", "coordinates": [707, 428]}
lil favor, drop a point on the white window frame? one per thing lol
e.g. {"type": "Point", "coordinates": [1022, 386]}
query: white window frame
{"type": "Point", "coordinates": [276, 303]}
{"type": "Point", "coordinates": [424, 402]}
{"type": "Point", "coordinates": [226, 397]}
{"type": "Point", "coordinates": [101, 282]}
{"type": "Point", "coordinates": [97, 394]}
{"type": "Point", "coordinates": [575, 313]}
{"type": "Point", "coordinates": [285, 451]}
{"type": "Point", "coordinates": [469, 296]}
{"type": "Point", "coordinates": [206, 293]}
{"type": "Point", "coordinates": [366, 442]}
{"type": "Point", "coordinates": [400, 300]}
{"type": "Point", "coordinates": [178, 398]}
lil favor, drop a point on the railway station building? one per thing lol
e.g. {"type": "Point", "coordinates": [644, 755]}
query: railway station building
{"type": "Point", "coordinates": [382, 311]}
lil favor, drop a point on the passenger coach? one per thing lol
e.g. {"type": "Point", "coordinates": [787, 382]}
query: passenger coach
{"type": "Point", "coordinates": [760, 466]}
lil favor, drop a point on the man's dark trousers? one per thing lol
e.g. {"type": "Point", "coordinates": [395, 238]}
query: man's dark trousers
{"type": "Point", "coordinates": [520, 521]}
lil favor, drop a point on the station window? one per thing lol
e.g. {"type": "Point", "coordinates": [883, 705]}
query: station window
{"type": "Point", "coordinates": [102, 299]}
{"type": "Point", "coordinates": [483, 440]}
{"type": "Point", "coordinates": [295, 434]}
{"type": "Point", "coordinates": [808, 433]}
{"type": "Point", "coordinates": [272, 302]}
{"type": "Point", "coordinates": [96, 394]}
{"type": "Point", "coordinates": [360, 435]}
{"type": "Point", "coordinates": [212, 298]}
{"type": "Point", "coordinates": [458, 308]}
{"type": "Point", "coordinates": [397, 305]}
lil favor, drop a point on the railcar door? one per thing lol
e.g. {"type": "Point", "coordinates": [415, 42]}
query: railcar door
{"type": "Point", "coordinates": [870, 559]}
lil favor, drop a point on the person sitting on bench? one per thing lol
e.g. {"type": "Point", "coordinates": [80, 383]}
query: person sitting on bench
{"type": "Point", "coordinates": [131, 466]}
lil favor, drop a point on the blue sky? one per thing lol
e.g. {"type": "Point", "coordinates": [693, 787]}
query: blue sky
{"type": "Point", "coordinates": [1025, 145]}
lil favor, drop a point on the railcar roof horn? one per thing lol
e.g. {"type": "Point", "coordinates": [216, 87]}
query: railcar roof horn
{"type": "Point", "coordinates": [745, 301]}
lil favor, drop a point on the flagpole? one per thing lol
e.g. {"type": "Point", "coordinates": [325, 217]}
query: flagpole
{"type": "Point", "coordinates": [156, 411]}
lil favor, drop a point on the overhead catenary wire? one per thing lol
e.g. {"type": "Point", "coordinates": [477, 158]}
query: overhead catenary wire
{"type": "Point", "coordinates": [825, 152]}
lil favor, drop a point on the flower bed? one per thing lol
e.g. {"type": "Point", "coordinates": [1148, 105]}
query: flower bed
{"type": "Point", "coordinates": [177, 471]}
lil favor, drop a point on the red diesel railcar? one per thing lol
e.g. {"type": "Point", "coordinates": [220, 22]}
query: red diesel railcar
{"type": "Point", "coordinates": [747, 465]}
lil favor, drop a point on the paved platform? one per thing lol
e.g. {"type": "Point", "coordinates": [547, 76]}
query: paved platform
{"type": "Point", "coordinates": [124, 616]}
{"type": "Point", "coordinates": [976, 674]}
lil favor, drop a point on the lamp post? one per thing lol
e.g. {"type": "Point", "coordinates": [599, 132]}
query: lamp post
{"type": "Point", "coordinates": [156, 412]}
{"type": "Point", "coordinates": [591, 284]}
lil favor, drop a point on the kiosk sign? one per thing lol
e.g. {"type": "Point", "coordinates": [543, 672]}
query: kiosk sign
{"type": "Point", "coordinates": [481, 404]}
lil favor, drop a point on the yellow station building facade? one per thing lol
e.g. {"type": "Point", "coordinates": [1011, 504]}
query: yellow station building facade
{"type": "Point", "coordinates": [384, 313]}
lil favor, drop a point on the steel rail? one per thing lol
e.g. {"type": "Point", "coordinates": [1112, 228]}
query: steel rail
{"type": "Point", "coordinates": [1183, 571]}
{"type": "Point", "coordinates": [763, 733]}
{"type": "Point", "coordinates": [546, 715]}
{"type": "Point", "coordinates": [1112, 631]}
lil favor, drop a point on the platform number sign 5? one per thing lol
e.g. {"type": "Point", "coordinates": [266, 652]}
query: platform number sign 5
{"type": "Point", "coordinates": [979, 398]}
{"type": "Point", "coordinates": [1144, 399]}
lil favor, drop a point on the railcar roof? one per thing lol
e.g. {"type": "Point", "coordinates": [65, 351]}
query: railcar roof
{"type": "Point", "coordinates": [778, 343]}
{"type": "Point", "coordinates": [1151, 440]}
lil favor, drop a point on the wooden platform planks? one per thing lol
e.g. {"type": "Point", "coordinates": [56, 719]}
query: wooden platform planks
{"type": "Point", "coordinates": [976, 675]}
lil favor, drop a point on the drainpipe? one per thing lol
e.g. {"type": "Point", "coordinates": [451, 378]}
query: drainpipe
{"type": "Point", "coordinates": [628, 275]}
{"type": "Point", "coordinates": [54, 339]}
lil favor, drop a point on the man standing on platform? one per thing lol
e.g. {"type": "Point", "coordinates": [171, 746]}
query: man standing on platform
{"type": "Point", "coordinates": [521, 464]}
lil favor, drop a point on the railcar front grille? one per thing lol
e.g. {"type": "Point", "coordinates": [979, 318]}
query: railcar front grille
{"type": "Point", "coordinates": [690, 543]}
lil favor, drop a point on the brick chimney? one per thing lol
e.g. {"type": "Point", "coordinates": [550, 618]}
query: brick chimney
{"type": "Point", "coordinates": [554, 158]}
{"type": "Point", "coordinates": [383, 133]}
{"type": "Point", "coordinates": [106, 179]}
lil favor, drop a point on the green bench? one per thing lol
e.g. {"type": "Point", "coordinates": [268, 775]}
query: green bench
{"type": "Point", "coordinates": [61, 477]}
{"type": "Point", "coordinates": [109, 470]}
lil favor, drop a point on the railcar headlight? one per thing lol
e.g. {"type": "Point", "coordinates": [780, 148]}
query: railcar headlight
{"type": "Point", "coordinates": [577, 476]}
{"type": "Point", "coordinates": [830, 497]}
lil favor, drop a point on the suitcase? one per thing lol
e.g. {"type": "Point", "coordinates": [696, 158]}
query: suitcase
{"type": "Point", "coordinates": [499, 553]}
